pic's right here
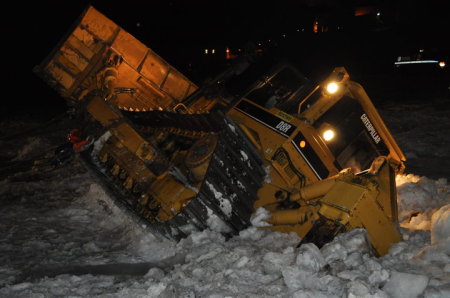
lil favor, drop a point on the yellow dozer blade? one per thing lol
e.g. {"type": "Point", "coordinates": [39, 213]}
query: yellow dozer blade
{"type": "Point", "coordinates": [350, 201]}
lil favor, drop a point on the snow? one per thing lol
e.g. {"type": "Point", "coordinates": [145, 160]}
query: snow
{"type": "Point", "coordinates": [98, 144]}
{"type": "Point", "coordinates": [63, 236]}
{"type": "Point", "coordinates": [260, 217]}
{"type": "Point", "coordinates": [440, 229]}
{"type": "Point", "coordinates": [224, 203]}
{"type": "Point", "coordinates": [405, 285]}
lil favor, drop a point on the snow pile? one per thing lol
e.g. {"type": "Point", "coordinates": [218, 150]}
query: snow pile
{"type": "Point", "coordinates": [419, 198]}
{"type": "Point", "coordinates": [255, 263]}
{"type": "Point", "coordinates": [405, 284]}
{"type": "Point", "coordinates": [260, 217]}
{"type": "Point", "coordinates": [440, 228]}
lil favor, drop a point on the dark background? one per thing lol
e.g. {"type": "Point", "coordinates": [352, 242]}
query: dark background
{"type": "Point", "coordinates": [179, 31]}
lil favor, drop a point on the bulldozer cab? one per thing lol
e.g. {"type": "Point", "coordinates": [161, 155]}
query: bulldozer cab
{"type": "Point", "coordinates": [282, 89]}
{"type": "Point", "coordinates": [345, 122]}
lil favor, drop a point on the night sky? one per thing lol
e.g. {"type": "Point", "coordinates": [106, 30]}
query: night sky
{"type": "Point", "coordinates": [179, 30]}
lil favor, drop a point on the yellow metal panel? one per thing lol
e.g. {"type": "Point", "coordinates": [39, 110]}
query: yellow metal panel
{"type": "Point", "coordinates": [127, 135]}
{"type": "Point", "coordinates": [127, 75]}
{"type": "Point", "coordinates": [74, 43]}
{"type": "Point", "coordinates": [148, 96]}
{"type": "Point", "coordinates": [60, 75]}
{"type": "Point", "coordinates": [381, 230]}
{"type": "Point", "coordinates": [100, 110]}
{"type": "Point", "coordinates": [131, 49]}
{"type": "Point", "coordinates": [171, 194]}
{"type": "Point", "coordinates": [102, 27]}
{"type": "Point", "coordinates": [87, 39]}
{"type": "Point", "coordinates": [77, 63]}
{"type": "Point", "coordinates": [191, 89]}
{"type": "Point", "coordinates": [155, 69]}
{"type": "Point", "coordinates": [68, 66]}
{"type": "Point", "coordinates": [176, 85]}
{"type": "Point", "coordinates": [343, 196]}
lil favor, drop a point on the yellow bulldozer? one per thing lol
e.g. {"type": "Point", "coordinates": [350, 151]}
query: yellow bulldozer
{"type": "Point", "coordinates": [317, 157]}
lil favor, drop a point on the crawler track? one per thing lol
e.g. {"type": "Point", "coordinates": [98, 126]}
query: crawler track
{"type": "Point", "coordinates": [228, 190]}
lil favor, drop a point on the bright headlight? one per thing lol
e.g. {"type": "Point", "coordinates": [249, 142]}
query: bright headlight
{"type": "Point", "coordinates": [332, 88]}
{"type": "Point", "coordinates": [328, 135]}
{"type": "Point", "coordinates": [442, 64]}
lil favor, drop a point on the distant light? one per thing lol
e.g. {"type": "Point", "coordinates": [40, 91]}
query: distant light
{"type": "Point", "coordinates": [227, 50]}
{"type": "Point", "coordinates": [328, 135]}
{"type": "Point", "coordinates": [316, 27]}
{"type": "Point", "coordinates": [416, 62]}
{"type": "Point", "coordinates": [206, 51]}
{"type": "Point", "coordinates": [421, 50]}
{"type": "Point", "coordinates": [259, 44]}
{"type": "Point", "coordinates": [213, 51]}
{"type": "Point", "coordinates": [332, 88]}
{"type": "Point", "coordinates": [378, 14]}
{"type": "Point", "coordinates": [138, 24]}
{"type": "Point", "coordinates": [442, 64]}
{"type": "Point", "coordinates": [284, 35]}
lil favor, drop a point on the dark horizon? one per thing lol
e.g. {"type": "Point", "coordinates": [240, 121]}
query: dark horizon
{"type": "Point", "coordinates": [179, 31]}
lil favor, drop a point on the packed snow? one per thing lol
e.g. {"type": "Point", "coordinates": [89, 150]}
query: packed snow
{"type": "Point", "coordinates": [63, 236]}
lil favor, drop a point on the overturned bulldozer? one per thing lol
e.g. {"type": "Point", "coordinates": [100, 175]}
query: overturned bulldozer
{"type": "Point", "coordinates": [318, 157]}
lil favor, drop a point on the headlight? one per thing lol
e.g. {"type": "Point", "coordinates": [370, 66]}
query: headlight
{"type": "Point", "coordinates": [328, 135]}
{"type": "Point", "coordinates": [442, 64]}
{"type": "Point", "coordinates": [332, 88]}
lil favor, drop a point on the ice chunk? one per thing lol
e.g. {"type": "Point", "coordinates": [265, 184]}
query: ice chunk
{"type": "Point", "coordinates": [405, 285]}
{"type": "Point", "coordinates": [350, 274]}
{"type": "Point", "coordinates": [440, 228]}
{"type": "Point", "coordinates": [310, 258]}
{"type": "Point", "coordinates": [420, 194]}
{"type": "Point", "coordinates": [252, 233]}
{"type": "Point", "coordinates": [295, 278]}
{"type": "Point", "coordinates": [418, 221]}
{"type": "Point", "coordinates": [358, 288]}
{"type": "Point", "coordinates": [232, 128]}
{"type": "Point", "coordinates": [378, 276]}
{"type": "Point", "coordinates": [274, 262]}
{"type": "Point", "coordinates": [244, 155]}
{"type": "Point", "coordinates": [333, 251]}
{"type": "Point", "coordinates": [258, 219]}
{"type": "Point", "coordinates": [224, 203]}
{"type": "Point", "coordinates": [215, 223]}
{"type": "Point", "coordinates": [155, 273]}
{"type": "Point", "coordinates": [98, 144]}
{"type": "Point", "coordinates": [156, 290]}
{"type": "Point", "coordinates": [442, 291]}
{"type": "Point", "coordinates": [309, 293]}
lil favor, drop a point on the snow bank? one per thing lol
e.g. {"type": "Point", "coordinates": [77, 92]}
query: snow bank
{"type": "Point", "coordinates": [419, 198]}
{"type": "Point", "coordinates": [255, 263]}
{"type": "Point", "coordinates": [440, 228]}
{"type": "Point", "coordinates": [405, 285]}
